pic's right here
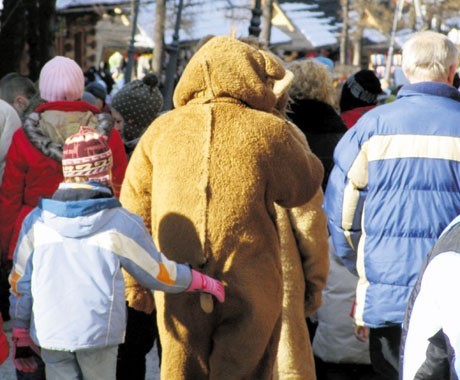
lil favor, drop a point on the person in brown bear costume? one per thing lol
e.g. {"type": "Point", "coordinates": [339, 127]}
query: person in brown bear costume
{"type": "Point", "coordinates": [206, 176]}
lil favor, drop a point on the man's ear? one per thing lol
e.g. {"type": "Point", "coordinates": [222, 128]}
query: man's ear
{"type": "Point", "coordinates": [450, 77]}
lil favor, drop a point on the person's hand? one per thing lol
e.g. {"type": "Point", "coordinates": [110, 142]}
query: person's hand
{"type": "Point", "coordinates": [24, 350]}
{"type": "Point", "coordinates": [361, 333]}
{"type": "Point", "coordinates": [202, 283]}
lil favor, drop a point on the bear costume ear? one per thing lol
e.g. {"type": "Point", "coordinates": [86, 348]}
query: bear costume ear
{"type": "Point", "coordinates": [282, 86]}
{"type": "Point", "coordinates": [273, 66]}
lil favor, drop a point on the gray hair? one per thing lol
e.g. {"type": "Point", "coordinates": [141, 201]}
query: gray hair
{"type": "Point", "coordinates": [428, 56]}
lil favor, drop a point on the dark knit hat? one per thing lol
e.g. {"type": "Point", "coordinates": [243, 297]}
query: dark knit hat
{"type": "Point", "coordinates": [87, 154]}
{"type": "Point", "coordinates": [97, 90]}
{"type": "Point", "coordinates": [360, 90]}
{"type": "Point", "coordinates": [139, 103]}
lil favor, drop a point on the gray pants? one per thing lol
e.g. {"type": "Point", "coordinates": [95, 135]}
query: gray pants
{"type": "Point", "coordinates": [98, 364]}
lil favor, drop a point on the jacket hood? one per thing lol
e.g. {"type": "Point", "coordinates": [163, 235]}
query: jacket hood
{"type": "Point", "coordinates": [227, 68]}
{"type": "Point", "coordinates": [78, 218]}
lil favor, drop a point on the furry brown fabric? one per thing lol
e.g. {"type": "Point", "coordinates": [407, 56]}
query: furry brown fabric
{"type": "Point", "coordinates": [305, 264]}
{"type": "Point", "coordinates": [205, 177]}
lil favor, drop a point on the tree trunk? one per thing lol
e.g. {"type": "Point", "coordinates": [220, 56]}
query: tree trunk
{"type": "Point", "coordinates": [46, 29]}
{"type": "Point", "coordinates": [158, 37]}
{"type": "Point", "coordinates": [267, 22]}
{"type": "Point", "coordinates": [357, 49]}
{"type": "Point", "coordinates": [344, 35]}
{"type": "Point", "coordinates": [358, 35]}
{"type": "Point", "coordinates": [33, 37]}
{"type": "Point", "coordinates": [12, 36]}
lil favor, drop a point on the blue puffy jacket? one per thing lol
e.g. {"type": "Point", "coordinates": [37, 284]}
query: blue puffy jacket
{"type": "Point", "coordinates": [395, 186]}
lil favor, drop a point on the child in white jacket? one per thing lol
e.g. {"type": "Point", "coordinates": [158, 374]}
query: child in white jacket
{"type": "Point", "coordinates": [66, 284]}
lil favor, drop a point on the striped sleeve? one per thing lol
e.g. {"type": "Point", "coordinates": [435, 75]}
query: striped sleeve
{"type": "Point", "coordinates": [140, 257]}
{"type": "Point", "coordinates": [20, 276]}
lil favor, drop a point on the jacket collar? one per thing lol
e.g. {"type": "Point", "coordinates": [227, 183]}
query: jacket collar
{"type": "Point", "coordinates": [79, 199]}
{"type": "Point", "coordinates": [67, 107]}
{"type": "Point", "coordinates": [82, 191]}
{"type": "Point", "coordinates": [43, 142]}
{"type": "Point", "coordinates": [430, 88]}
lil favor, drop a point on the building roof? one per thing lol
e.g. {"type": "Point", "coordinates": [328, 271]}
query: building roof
{"type": "Point", "coordinates": [312, 28]}
{"type": "Point", "coordinates": [317, 28]}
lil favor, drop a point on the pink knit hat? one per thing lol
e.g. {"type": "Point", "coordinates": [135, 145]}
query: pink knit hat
{"type": "Point", "coordinates": [61, 79]}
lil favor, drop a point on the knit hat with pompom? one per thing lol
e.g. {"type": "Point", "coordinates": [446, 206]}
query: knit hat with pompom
{"type": "Point", "coordinates": [139, 103]}
{"type": "Point", "coordinates": [61, 79]}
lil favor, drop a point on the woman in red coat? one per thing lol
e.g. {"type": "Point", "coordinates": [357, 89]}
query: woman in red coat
{"type": "Point", "coordinates": [4, 344]}
{"type": "Point", "coordinates": [33, 163]}
{"type": "Point", "coordinates": [34, 160]}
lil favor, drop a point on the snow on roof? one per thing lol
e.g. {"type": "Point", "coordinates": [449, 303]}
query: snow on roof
{"type": "Point", "coordinates": [374, 35]}
{"type": "Point", "coordinates": [312, 23]}
{"type": "Point", "coordinates": [224, 17]}
{"type": "Point", "coordinates": [63, 4]}
{"type": "Point", "coordinates": [216, 17]}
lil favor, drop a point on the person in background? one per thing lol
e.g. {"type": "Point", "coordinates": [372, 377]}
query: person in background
{"type": "Point", "coordinates": [90, 98]}
{"type": "Point", "coordinates": [329, 63]}
{"type": "Point", "coordinates": [35, 154]}
{"type": "Point", "coordinates": [134, 107]}
{"type": "Point", "coordinates": [456, 82]}
{"type": "Point", "coordinates": [99, 91]}
{"type": "Point", "coordinates": [212, 170]}
{"type": "Point", "coordinates": [4, 344]}
{"type": "Point", "coordinates": [9, 123]}
{"type": "Point", "coordinates": [313, 108]}
{"type": "Point", "coordinates": [304, 262]}
{"type": "Point", "coordinates": [359, 95]}
{"type": "Point", "coordinates": [76, 315]}
{"type": "Point", "coordinates": [394, 188]}
{"type": "Point", "coordinates": [106, 76]}
{"type": "Point", "coordinates": [92, 75]}
{"type": "Point", "coordinates": [34, 159]}
{"type": "Point", "coordinates": [19, 91]}
{"type": "Point", "coordinates": [430, 340]}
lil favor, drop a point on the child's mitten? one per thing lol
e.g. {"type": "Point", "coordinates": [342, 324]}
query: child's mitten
{"type": "Point", "coordinates": [206, 284]}
{"type": "Point", "coordinates": [24, 350]}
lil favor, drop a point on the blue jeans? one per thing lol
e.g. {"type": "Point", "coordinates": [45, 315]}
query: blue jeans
{"type": "Point", "coordinates": [97, 364]}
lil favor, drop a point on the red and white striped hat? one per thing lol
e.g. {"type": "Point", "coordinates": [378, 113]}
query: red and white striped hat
{"type": "Point", "coordinates": [87, 154]}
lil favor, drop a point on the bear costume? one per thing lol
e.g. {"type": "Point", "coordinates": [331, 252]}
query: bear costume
{"type": "Point", "coordinates": [305, 264]}
{"type": "Point", "coordinates": [205, 177]}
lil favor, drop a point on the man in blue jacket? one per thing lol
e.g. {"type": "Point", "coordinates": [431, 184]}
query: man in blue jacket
{"type": "Point", "coordinates": [395, 186]}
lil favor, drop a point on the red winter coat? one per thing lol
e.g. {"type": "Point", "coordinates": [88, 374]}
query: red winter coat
{"type": "Point", "coordinates": [350, 117]}
{"type": "Point", "coordinates": [33, 163]}
{"type": "Point", "coordinates": [4, 345]}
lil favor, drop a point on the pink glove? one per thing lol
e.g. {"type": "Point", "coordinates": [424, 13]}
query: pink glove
{"type": "Point", "coordinates": [24, 350]}
{"type": "Point", "coordinates": [206, 284]}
